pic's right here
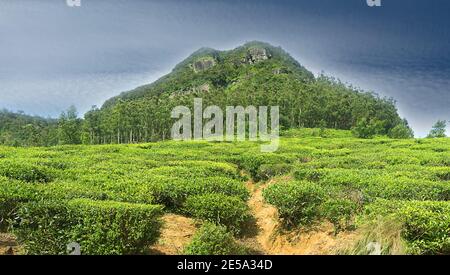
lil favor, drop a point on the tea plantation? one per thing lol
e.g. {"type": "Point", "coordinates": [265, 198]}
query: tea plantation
{"type": "Point", "coordinates": [110, 198]}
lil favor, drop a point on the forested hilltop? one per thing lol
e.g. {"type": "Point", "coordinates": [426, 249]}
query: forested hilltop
{"type": "Point", "coordinates": [18, 129]}
{"type": "Point", "coordinates": [255, 74]}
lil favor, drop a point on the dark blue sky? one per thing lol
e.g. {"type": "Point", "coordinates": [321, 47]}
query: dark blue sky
{"type": "Point", "coordinates": [52, 56]}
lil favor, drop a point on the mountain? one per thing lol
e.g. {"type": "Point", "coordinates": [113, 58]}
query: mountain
{"type": "Point", "coordinates": [257, 74]}
{"type": "Point", "coordinates": [221, 70]}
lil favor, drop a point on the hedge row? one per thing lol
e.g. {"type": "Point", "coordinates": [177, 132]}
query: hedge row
{"type": "Point", "coordinates": [229, 211]}
{"type": "Point", "coordinates": [100, 227]}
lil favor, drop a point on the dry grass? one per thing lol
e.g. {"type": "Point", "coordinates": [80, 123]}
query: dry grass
{"type": "Point", "coordinates": [384, 231]}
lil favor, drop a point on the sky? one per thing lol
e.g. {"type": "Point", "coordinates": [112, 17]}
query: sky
{"type": "Point", "coordinates": [53, 55]}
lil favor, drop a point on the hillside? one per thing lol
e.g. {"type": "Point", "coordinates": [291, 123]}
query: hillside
{"type": "Point", "coordinates": [322, 192]}
{"type": "Point", "coordinates": [256, 74]}
{"type": "Point", "coordinates": [18, 129]}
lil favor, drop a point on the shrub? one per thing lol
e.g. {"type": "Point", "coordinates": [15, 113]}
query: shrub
{"type": "Point", "coordinates": [252, 162]}
{"type": "Point", "coordinates": [12, 195]}
{"type": "Point", "coordinates": [100, 227]}
{"type": "Point", "coordinates": [105, 227]}
{"type": "Point", "coordinates": [368, 128]}
{"type": "Point", "coordinates": [401, 131]}
{"type": "Point", "coordinates": [308, 174]}
{"type": "Point", "coordinates": [229, 211]}
{"type": "Point", "coordinates": [339, 212]}
{"type": "Point", "coordinates": [173, 192]}
{"type": "Point", "coordinates": [297, 202]}
{"type": "Point", "coordinates": [212, 239]}
{"type": "Point", "coordinates": [44, 227]}
{"type": "Point", "coordinates": [268, 171]}
{"type": "Point", "coordinates": [427, 227]}
{"type": "Point", "coordinates": [25, 172]}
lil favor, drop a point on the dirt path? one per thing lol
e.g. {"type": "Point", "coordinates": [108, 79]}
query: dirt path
{"type": "Point", "coordinates": [8, 245]}
{"type": "Point", "coordinates": [177, 231]}
{"type": "Point", "coordinates": [270, 240]}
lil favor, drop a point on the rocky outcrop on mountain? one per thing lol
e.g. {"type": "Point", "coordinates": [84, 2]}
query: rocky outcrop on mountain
{"type": "Point", "coordinates": [257, 54]}
{"type": "Point", "coordinates": [203, 64]}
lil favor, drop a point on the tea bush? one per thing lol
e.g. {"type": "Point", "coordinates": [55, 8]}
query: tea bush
{"type": "Point", "coordinates": [213, 239]}
{"type": "Point", "coordinates": [100, 227]}
{"type": "Point", "coordinates": [267, 171]}
{"type": "Point", "coordinates": [12, 195]}
{"type": "Point", "coordinates": [328, 174]}
{"type": "Point", "coordinates": [25, 172]}
{"type": "Point", "coordinates": [298, 203]}
{"type": "Point", "coordinates": [427, 227]}
{"type": "Point", "coordinates": [44, 227]}
{"type": "Point", "coordinates": [339, 212]}
{"type": "Point", "coordinates": [173, 192]}
{"type": "Point", "coordinates": [105, 227]}
{"type": "Point", "coordinates": [229, 211]}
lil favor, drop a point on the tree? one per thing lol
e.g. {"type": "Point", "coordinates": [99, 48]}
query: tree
{"type": "Point", "coordinates": [401, 131]}
{"type": "Point", "coordinates": [368, 128]}
{"type": "Point", "coordinates": [438, 130]}
{"type": "Point", "coordinates": [69, 127]}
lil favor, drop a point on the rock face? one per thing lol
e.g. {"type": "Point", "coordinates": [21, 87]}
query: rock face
{"type": "Point", "coordinates": [202, 88]}
{"type": "Point", "coordinates": [203, 64]}
{"type": "Point", "coordinates": [280, 71]}
{"type": "Point", "coordinates": [255, 55]}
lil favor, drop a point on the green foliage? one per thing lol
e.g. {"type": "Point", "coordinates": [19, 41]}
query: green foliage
{"type": "Point", "coordinates": [438, 130]}
{"type": "Point", "coordinates": [339, 212]}
{"type": "Point", "coordinates": [401, 131]}
{"type": "Point", "coordinates": [427, 227]}
{"type": "Point", "coordinates": [368, 128]}
{"type": "Point", "coordinates": [424, 225]}
{"type": "Point", "coordinates": [100, 227]}
{"type": "Point", "coordinates": [12, 196]}
{"type": "Point", "coordinates": [229, 211]}
{"type": "Point", "coordinates": [298, 203]}
{"type": "Point", "coordinates": [18, 129]}
{"type": "Point", "coordinates": [25, 171]}
{"type": "Point", "coordinates": [173, 192]}
{"type": "Point", "coordinates": [222, 78]}
{"type": "Point", "coordinates": [213, 239]}
{"type": "Point", "coordinates": [349, 181]}
{"type": "Point", "coordinates": [258, 164]}
{"type": "Point", "coordinates": [115, 228]}
{"type": "Point", "coordinates": [268, 171]}
{"type": "Point", "coordinates": [44, 227]}
{"type": "Point", "coordinates": [69, 127]}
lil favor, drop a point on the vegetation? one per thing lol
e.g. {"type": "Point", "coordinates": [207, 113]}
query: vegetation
{"type": "Point", "coordinates": [99, 227]}
{"type": "Point", "coordinates": [359, 169]}
{"type": "Point", "coordinates": [438, 130]}
{"type": "Point", "coordinates": [238, 77]}
{"type": "Point", "coordinates": [18, 129]}
{"type": "Point", "coordinates": [229, 211]}
{"type": "Point", "coordinates": [50, 196]}
{"type": "Point", "coordinates": [298, 203]}
{"type": "Point", "coordinates": [213, 239]}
